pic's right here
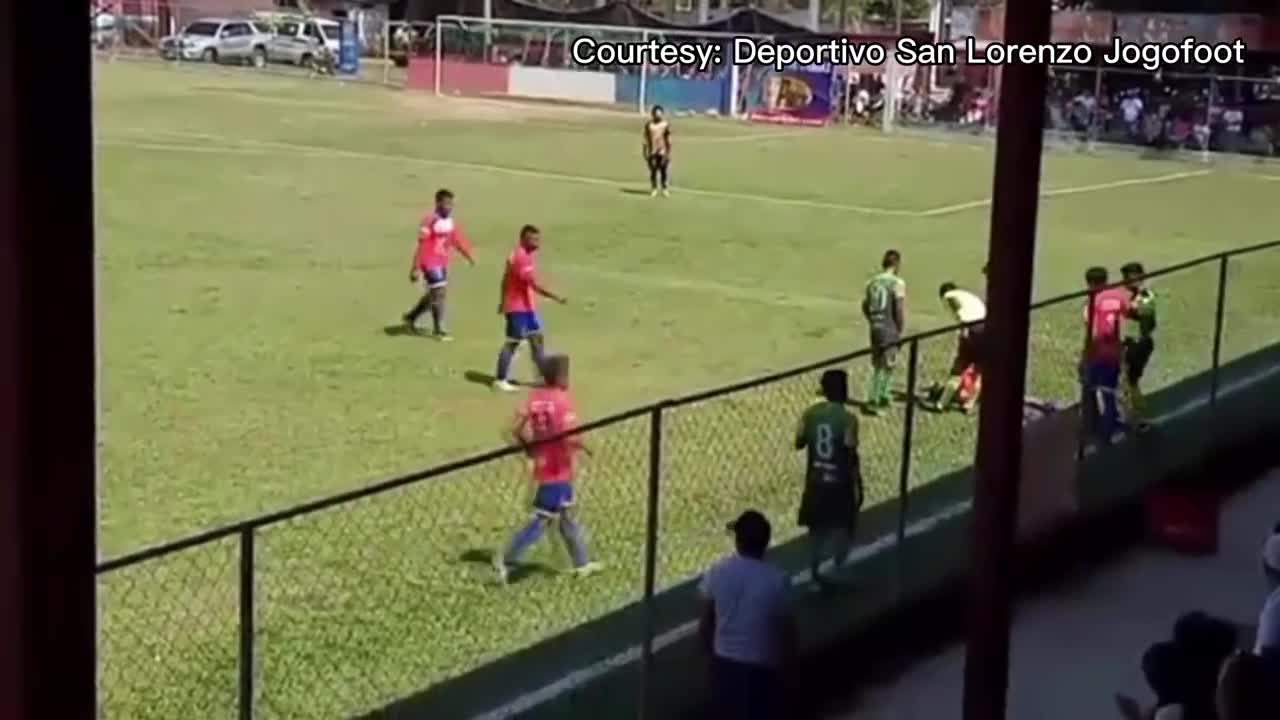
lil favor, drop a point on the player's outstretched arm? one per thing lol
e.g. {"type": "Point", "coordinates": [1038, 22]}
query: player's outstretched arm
{"type": "Point", "coordinates": [544, 292]}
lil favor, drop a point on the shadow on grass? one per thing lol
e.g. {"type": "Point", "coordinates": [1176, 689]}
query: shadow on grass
{"type": "Point", "coordinates": [484, 556]}
{"type": "Point", "coordinates": [486, 379]}
{"type": "Point", "coordinates": [635, 191]}
{"type": "Point", "coordinates": [401, 330]}
{"type": "Point", "coordinates": [479, 378]}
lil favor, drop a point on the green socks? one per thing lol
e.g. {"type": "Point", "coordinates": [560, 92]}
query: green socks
{"type": "Point", "coordinates": [881, 382]}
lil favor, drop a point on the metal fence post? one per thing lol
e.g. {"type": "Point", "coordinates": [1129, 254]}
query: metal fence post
{"type": "Point", "coordinates": [246, 623]}
{"type": "Point", "coordinates": [904, 466]}
{"type": "Point", "coordinates": [1217, 329]}
{"type": "Point", "coordinates": [651, 562]}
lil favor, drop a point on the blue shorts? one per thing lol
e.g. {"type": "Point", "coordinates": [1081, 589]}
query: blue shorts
{"type": "Point", "coordinates": [553, 498]}
{"type": "Point", "coordinates": [521, 325]}
{"type": "Point", "coordinates": [435, 277]}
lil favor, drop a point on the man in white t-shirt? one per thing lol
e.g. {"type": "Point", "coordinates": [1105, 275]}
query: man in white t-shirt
{"type": "Point", "coordinates": [964, 382]}
{"type": "Point", "coordinates": [746, 625]}
{"type": "Point", "coordinates": [1267, 644]}
{"type": "Point", "coordinates": [1131, 110]}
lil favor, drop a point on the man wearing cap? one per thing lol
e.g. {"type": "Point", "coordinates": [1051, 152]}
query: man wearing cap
{"type": "Point", "coordinates": [746, 625]}
{"type": "Point", "coordinates": [1268, 642]}
{"type": "Point", "coordinates": [833, 490]}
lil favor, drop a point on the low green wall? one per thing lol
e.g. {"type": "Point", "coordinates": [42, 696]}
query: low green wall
{"type": "Point", "coordinates": [889, 581]}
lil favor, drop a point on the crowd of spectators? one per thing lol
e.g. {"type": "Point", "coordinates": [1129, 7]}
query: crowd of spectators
{"type": "Point", "coordinates": [1183, 112]}
{"type": "Point", "coordinates": [1201, 672]}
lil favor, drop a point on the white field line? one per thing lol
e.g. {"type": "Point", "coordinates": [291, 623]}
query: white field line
{"type": "Point", "coordinates": [582, 676]}
{"type": "Point", "coordinates": [232, 145]}
{"type": "Point", "coordinates": [1072, 190]}
{"type": "Point", "coordinates": [1272, 178]}
{"type": "Point", "coordinates": [497, 169]}
{"type": "Point", "coordinates": [733, 292]}
{"type": "Point", "coordinates": [743, 137]}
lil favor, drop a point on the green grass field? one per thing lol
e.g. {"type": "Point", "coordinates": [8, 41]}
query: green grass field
{"type": "Point", "coordinates": [254, 238]}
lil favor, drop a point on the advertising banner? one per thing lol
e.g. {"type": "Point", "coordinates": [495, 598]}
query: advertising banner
{"type": "Point", "coordinates": [349, 49]}
{"type": "Point", "coordinates": [793, 97]}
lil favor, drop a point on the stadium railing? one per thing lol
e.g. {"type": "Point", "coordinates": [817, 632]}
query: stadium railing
{"type": "Point", "coordinates": [340, 606]}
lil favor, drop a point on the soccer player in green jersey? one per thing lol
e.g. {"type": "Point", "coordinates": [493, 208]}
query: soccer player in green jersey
{"type": "Point", "coordinates": [833, 489]}
{"type": "Point", "coordinates": [1139, 343]}
{"type": "Point", "coordinates": [884, 305]}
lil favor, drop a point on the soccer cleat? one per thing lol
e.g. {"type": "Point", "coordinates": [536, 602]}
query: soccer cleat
{"type": "Point", "coordinates": [500, 568]}
{"type": "Point", "coordinates": [653, 192]}
{"type": "Point", "coordinates": [443, 337]}
{"type": "Point", "coordinates": [503, 386]}
{"type": "Point", "coordinates": [410, 324]}
{"type": "Point", "coordinates": [590, 568]}
{"type": "Point", "coordinates": [666, 192]}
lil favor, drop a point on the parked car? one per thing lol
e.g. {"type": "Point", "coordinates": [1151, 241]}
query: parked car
{"type": "Point", "coordinates": [220, 40]}
{"type": "Point", "coordinates": [302, 42]}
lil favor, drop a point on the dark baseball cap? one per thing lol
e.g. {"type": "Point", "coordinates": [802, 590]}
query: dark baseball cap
{"type": "Point", "coordinates": [752, 528]}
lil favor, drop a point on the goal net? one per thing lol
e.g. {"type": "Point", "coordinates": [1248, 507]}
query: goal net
{"type": "Point", "coordinates": [599, 65]}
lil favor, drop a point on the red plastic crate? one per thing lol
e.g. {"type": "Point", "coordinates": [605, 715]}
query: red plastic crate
{"type": "Point", "coordinates": [1183, 520]}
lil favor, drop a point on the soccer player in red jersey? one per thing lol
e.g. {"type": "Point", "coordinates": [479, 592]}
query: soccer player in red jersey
{"type": "Point", "coordinates": [540, 428]}
{"type": "Point", "coordinates": [438, 236]}
{"type": "Point", "coordinates": [518, 305]}
{"type": "Point", "coordinates": [1100, 365]}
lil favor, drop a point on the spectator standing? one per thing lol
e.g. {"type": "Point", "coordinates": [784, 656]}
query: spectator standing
{"type": "Point", "coordinates": [1267, 644]}
{"type": "Point", "coordinates": [1100, 365]}
{"type": "Point", "coordinates": [746, 625]}
{"type": "Point", "coordinates": [833, 490]}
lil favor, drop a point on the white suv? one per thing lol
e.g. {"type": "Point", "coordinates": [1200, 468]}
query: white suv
{"type": "Point", "coordinates": [299, 42]}
{"type": "Point", "coordinates": [220, 40]}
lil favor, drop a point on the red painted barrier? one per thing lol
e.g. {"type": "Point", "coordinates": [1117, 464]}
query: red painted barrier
{"type": "Point", "coordinates": [459, 76]}
{"type": "Point", "coordinates": [1183, 520]}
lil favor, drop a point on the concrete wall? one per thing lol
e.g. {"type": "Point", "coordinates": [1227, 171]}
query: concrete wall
{"type": "Point", "coordinates": [583, 86]}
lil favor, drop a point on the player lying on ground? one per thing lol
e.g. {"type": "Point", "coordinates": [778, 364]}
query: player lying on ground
{"type": "Point", "coordinates": [540, 427]}
{"type": "Point", "coordinates": [518, 305]}
{"type": "Point", "coordinates": [1139, 343]}
{"type": "Point", "coordinates": [438, 236]}
{"type": "Point", "coordinates": [833, 490]}
{"type": "Point", "coordinates": [657, 151]}
{"type": "Point", "coordinates": [884, 305]}
{"type": "Point", "coordinates": [964, 383]}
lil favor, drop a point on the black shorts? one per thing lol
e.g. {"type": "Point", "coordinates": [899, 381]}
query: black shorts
{"type": "Point", "coordinates": [741, 691]}
{"type": "Point", "coordinates": [884, 348]}
{"type": "Point", "coordinates": [969, 349]}
{"type": "Point", "coordinates": [833, 507]}
{"type": "Point", "coordinates": [1137, 353]}
{"type": "Point", "coordinates": [658, 161]}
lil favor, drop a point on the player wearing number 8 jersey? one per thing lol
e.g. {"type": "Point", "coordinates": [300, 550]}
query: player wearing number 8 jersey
{"type": "Point", "coordinates": [541, 428]}
{"type": "Point", "coordinates": [833, 489]}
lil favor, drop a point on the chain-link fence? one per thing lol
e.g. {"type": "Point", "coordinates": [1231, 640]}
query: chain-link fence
{"type": "Point", "coordinates": [345, 605]}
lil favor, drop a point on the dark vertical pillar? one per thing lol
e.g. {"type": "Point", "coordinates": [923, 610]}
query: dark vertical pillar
{"type": "Point", "coordinates": [1011, 256]}
{"type": "Point", "coordinates": [47, 408]}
